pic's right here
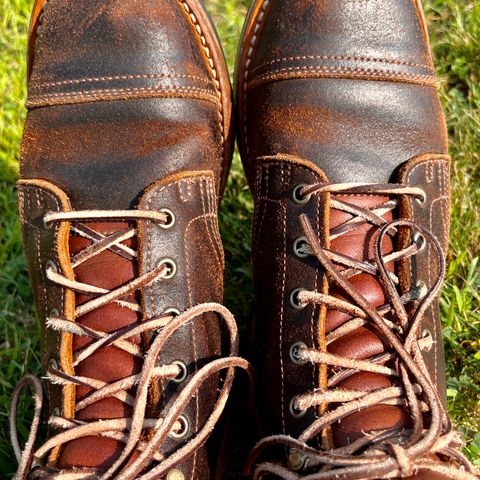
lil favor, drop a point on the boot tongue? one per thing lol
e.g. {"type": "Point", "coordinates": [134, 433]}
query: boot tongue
{"type": "Point", "coordinates": [106, 270]}
{"type": "Point", "coordinates": [364, 342]}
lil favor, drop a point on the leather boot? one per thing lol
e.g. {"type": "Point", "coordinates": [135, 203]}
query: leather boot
{"type": "Point", "coordinates": [125, 153]}
{"type": "Point", "coordinates": [344, 144]}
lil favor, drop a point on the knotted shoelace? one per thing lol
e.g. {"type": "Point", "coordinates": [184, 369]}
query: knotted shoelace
{"type": "Point", "coordinates": [137, 453]}
{"type": "Point", "coordinates": [395, 453]}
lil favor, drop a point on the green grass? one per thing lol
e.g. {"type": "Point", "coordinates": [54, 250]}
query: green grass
{"type": "Point", "coordinates": [455, 31]}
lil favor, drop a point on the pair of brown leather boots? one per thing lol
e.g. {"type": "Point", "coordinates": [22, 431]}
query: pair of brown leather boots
{"type": "Point", "coordinates": [125, 155]}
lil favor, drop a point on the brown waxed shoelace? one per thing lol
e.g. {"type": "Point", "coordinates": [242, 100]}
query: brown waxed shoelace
{"type": "Point", "coordinates": [126, 430]}
{"type": "Point", "coordinates": [392, 453]}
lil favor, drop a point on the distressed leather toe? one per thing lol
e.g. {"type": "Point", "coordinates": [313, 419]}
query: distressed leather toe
{"type": "Point", "coordinates": [344, 144]}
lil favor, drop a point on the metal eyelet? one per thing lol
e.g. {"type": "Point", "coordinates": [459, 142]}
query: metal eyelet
{"type": "Point", "coordinates": [420, 241]}
{"type": "Point", "coordinates": [426, 333]}
{"type": "Point", "coordinates": [294, 303]}
{"type": "Point", "coordinates": [170, 222]}
{"type": "Point", "coordinates": [184, 426]}
{"type": "Point", "coordinates": [171, 266]}
{"type": "Point", "coordinates": [55, 412]}
{"type": "Point", "coordinates": [35, 465]}
{"type": "Point", "coordinates": [181, 377]}
{"type": "Point", "coordinates": [174, 312]}
{"type": "Point", "coordinates": [47, 225]}
{"type": "Point", "coordinates": [298, 245]}
{"type": "Point", "coordinates": [54, 313]}
{"type": "Point", "coordinates": [426, 340]}
{"type": "Point", "coordinates": [51, 265]}
{"type": "Point", "coordinates": [293, 353]}
{"type": "Point", "coordinates": [294, 412]}
{"type": "Point", "coordinates": [422, 289]}
{"type": "Point", "coordinates": [296, 459]}
{"type": "Point", "coordinates": [421, 200]}
{"type": "Point", "coordinates": [40, 17]}
{"type": "Point", "coordinates": [297, 196]}
{"type": "Point", "coordinates": [52, 364]}
{"type": "Point", "coordinates": [175, 474]}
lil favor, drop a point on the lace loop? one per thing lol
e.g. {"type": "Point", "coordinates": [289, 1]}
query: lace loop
{"type": "Point", "coordinates": [23, 457]}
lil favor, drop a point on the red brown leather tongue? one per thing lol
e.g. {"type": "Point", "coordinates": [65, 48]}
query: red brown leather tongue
{"type": "Point", "coordinates": [107, 270]}
{"type": "Point", "coordinates": [365, 342]}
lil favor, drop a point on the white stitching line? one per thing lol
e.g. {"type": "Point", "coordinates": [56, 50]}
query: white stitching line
{"type": "Point", "coordinates": [443, 199]}
{"type": "Point", "coordinates": [214, 221]}
{"type": "Point", "coordinates": [199, 217]}
{"type": "Point", "coordinates": [284, 274]}
{"type": "Point", "coordinates": [446, 193]}
{"type": "Point", "coordinates": [260, 214]}
{"type": "Point", "coordinates": [369, 72]}
{"type": "Point", "coordinates": [36, 232]}
{"type": "Point", "coordinates": [21, 205]}
{"type": "Point", "coordinates": [213, 71]}
{"type": "Point", "coordinates": [192, 328]}
{"type": "Point", "coordinates": [312, 314]}
{"type": "Point", "coordinates": [116, 92]}
{"type": "Point", "coordinates": [347, 58]}
{"type": "Point", "coordinates": [430, 215]}
{"type": "Point", "coordinates": [317, 310]}
{"type": "Point", "coordinates": [205, 216]}
{"type": "Point", "coordinates": [217, 233]}
{"type": "Point", "coordinates": [429, 164]}
{"type": "Point", "coordinates": [187, 269]}
{"type": "Point", "coordinates": [208, 224]}
{"type": "Point", "coordinates": [266, 167]}
{"type": "Point", "coordinates": [147, 257]}
{"type": "Point", "coordinates": [118, 77]}
{"type": "Point", "coordinates": [251, 49]}
{"type": "Point", "coordinates": [181, 193]}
